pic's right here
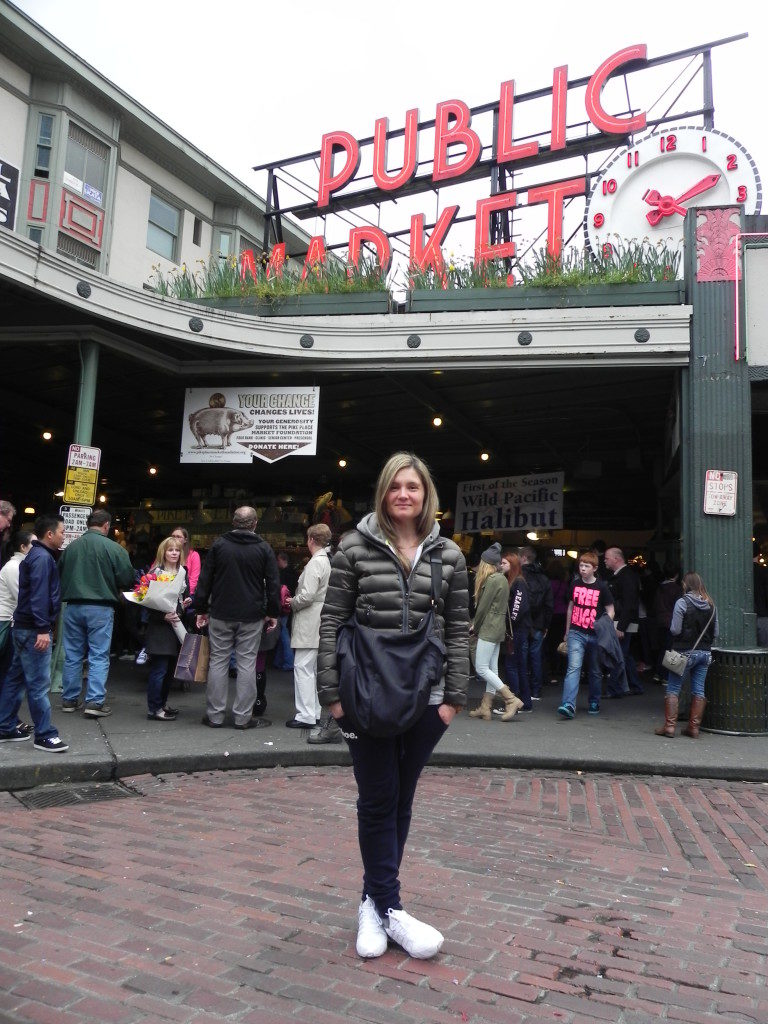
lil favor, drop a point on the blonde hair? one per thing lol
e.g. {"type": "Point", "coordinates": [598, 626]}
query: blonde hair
{"type": "Point", "coordinates": [163, 547]}
{"type": "Point", "coordinates": [694, 584]}
{"type": "Point", "coordinates": [484, 570]}
{"type": "Point", "coordinates": [320, 534]}
{"type": "Point", "coordinates": [394, 464]}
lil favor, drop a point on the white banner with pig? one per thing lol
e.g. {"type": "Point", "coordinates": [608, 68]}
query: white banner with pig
{"type": "Point", "coordinates": [240, 424]}
{"type": "Point", "coordinates": [531, 502]}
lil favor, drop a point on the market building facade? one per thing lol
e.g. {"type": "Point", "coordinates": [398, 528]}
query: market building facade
{"type": "Point", "coordinates": [648, 401]}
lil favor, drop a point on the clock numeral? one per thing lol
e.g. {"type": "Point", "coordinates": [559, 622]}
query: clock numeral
{"type": "Point", "coordinates": [599, 220]}
{"type": "Point", "coordinates": [633, 159]}
{"type": "Point", "coordinates": [732, 162]}
{"type": "Point", "coordinates": [741, 194]}
{"type": "Point", "coordinates": [704, 144]}
{"type": "Point", "coordinates": [668, 143]}
{"type": "Point", "coordinates": [609, 187]}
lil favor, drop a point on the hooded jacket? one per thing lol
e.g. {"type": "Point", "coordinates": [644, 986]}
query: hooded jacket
{"type": "Point", "coordinates": [368, 581]}
{"type": "Point", "coordinates": [39, 590]}
{"type": "Point", "coordinates": [540, 598]}
{"type": "Point", "coordinates": [691, 614]}
{"type": "Point", "coordinates": [239, 581]}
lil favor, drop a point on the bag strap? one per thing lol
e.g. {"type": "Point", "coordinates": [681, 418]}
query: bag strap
{"type": "Point", "coordinates": [436, 565]}
{"type": "Point", "coordinates": [701, 634]}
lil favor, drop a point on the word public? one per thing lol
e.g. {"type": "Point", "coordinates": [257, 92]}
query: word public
{"type": "Point", "coordinates": [340, 161]}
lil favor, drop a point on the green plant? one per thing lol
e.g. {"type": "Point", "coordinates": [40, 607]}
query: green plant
{"type": "Point", "coordinates": [224, 277]}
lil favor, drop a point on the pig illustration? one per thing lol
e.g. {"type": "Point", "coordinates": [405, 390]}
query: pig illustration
{"type": "Point", "coordinates": [222, 422]}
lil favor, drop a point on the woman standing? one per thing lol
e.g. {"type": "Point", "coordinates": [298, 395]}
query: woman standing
{"type": "Point", "coordinates": [382, 575]}
{"type": "Point", "coordinates": [516, 664]}
{"type": "Point", "coordinates": [693, 628]}
{"type": "Point", "coordinates": [489, 625]}
{"type": "Point", "coordinates": [161, 641]}
{"type": "Point", "coordinates": [189, 559]}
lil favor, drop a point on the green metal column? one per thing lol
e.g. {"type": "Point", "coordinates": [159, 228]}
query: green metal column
{"type": "Point", "coordinates": [716, 416]}
{"type": "Point", "coordinates": [86, 395]}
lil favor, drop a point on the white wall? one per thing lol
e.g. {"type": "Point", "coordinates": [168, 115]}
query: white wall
{"type": "Point", "coordinates": [13, 127]}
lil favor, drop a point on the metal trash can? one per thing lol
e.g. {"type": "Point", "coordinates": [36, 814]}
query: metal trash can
{"type": "Point", "coordinates": [737, 692]}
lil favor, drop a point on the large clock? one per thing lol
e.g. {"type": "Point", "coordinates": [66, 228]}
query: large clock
{"type": "Point", "coordinates": [646, 189]}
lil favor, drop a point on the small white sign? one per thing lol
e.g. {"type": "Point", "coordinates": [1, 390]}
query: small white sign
{"type": "Point", "coordinates": [75, 521]}
{"type": "Point", "coordinates": [82, 457]}
{"type": "Point", "coordinates": [72, 182]}
{"type": "Point", "coordinates": [720, 487]}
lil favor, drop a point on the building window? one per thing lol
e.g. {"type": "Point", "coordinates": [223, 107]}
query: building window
{"type": "Point", "coordinates": [44, 146]}
{"type": "Point", "coordinates": [163, 228]}
{"type": "Point", "coordinates": [197, 231]}
{"type": "Point", "coordinates": [86, 164]}
{"type": "Point", "coordinates": [225, 243]}
{"type": "Point", "coordinates": [36, 235]}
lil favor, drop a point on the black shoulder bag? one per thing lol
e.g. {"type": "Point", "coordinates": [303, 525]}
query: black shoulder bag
{"type": "Point", "coordinates": [385, 678]}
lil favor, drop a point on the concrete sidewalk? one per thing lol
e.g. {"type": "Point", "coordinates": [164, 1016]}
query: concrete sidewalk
{"type": "Point", "coordinates": [619, 740]}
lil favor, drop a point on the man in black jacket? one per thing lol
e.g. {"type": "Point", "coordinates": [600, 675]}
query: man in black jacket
{"type": "Point", "coordinates": [240, 585]}
{"type": "Point", "coordinates": [541, 605]}
{"type": "Point", "coordinates": [625, 587]}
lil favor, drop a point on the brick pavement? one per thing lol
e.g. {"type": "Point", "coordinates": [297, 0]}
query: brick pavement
{"type": "Point", "coordinates": [232, 897]}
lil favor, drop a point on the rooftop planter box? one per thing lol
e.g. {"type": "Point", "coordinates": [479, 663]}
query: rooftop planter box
{"type": "Point", "coordinates": [340, 304]}
{"type": "Point", "coordinates": [520, 297]}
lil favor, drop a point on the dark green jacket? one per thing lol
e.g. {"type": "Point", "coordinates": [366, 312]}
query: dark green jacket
{"type": "Point", "coordinates": [95, 570]}
{"type": "Point", "coordinates": [491, 612]}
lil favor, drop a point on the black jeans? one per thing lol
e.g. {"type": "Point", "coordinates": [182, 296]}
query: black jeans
{"type": "Point", "coordinates": [386, 772]}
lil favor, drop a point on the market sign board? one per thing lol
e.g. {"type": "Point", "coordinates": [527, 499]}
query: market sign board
{"type": "Point", "coordinates": [720, 486]}
{"type": "Point", "coordinates": [223, 425]}
{"type": "Point", "coordinates": [530, 502]}
{"type": "Point", "coordinates": [82, 475]}
{"type": "Point", "coordinates": [75, 521]}
{"type": "Point", "coordinates": [9, 193]}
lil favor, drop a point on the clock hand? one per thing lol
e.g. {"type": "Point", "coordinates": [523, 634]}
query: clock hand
{"type": "Point", "coordinates": [666, 205]}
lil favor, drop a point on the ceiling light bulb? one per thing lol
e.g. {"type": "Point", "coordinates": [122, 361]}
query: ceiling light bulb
{"type": "Point", "coordinates": [572, 553]}
{"type": "Point", "coordinates": [342, 463]}
{"type": "Point", "coordinates": [484, 456]}
{"type": "Point", "coordinates": [437, 421]}
{"type": "Point", "coordinates": [29, 511]}
{"type": "Point", "coordinates": [102, 498]}
{"type": "Point", "coordinates": [153, 470]}
{"type": "Point", "coordinates": [47, 435]}
{"type": "Point", "coordinates": [532, 535]}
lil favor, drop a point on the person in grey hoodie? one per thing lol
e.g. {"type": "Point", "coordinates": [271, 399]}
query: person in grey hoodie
{"type": "Point", "coordinates": [693, 628]}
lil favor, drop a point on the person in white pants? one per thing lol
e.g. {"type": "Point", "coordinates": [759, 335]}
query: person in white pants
{"type": "Point", "coordinates": [306, 605]}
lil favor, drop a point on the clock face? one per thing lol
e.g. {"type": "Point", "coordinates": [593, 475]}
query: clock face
{"type": "Point", "coordinates": [645, 190]}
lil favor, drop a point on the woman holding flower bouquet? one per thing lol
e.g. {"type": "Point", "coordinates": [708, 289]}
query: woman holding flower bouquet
{"type": "Point", "coordinates": [162, 641]}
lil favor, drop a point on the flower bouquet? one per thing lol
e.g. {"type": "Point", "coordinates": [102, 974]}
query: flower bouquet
{"type": "Point", "coordinates": [160, 591]}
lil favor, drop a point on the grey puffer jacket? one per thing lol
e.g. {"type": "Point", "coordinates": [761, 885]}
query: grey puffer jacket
{"type": "Point", "coordinates": [368, 580]}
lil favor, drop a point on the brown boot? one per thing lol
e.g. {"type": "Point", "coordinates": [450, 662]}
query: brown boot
{"type": "Point", "coordinates": [512, 704]}
{"type": "Point", "coordinates": [483, 710]}
{"type": "Point", "coordinates": [697, 713]}
{"type": "Point", "coordinates": [670, 718]}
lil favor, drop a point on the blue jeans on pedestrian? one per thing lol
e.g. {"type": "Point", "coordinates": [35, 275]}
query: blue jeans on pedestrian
{"type": "Point", "coordinates": [535, 670]}
{"type": "Point", "coordinates": [159, 681]}
{"type": "Point", "coordinates": [516, 668]}
{"type": "Point", "coordinates": [386, 772]}
{"type": "Point", "coordinates": [32, 669]}
{"type": "Point", "coordinates": [698, 665]}
{"type": "Point", "coordinates": [580, 646]}
{"type": "Point", "coordinates": [87, 633]}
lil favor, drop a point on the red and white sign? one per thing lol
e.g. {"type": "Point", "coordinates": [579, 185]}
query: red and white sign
{"type": "Point", "coordinates": [720, 486]}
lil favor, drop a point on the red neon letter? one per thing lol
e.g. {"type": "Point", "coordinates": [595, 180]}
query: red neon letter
{"type": "Point", "coordinates": [506, 151]}
{"type": "Point", "coordinates": [378, 238]}
{"type": "Point", "coordinates": [606, 122]}
{"type": "Point", "coordinates": [458, 132]}
{"type": "Point", "coordinates": [276, 261]}
{"type": "Point", "coordinates": [554, 195]}
{"type": "Point", "coordinates": [559, 101]}
{"type": "Point", "coordinates": [315, 255]}
{"type": "Point", "coordinates": [247, 264]}
{"type": "Point", "coordinates": [483, 248]}
{"type": "Point", "coordinates": [423, 256]}
{"type": "Point", "coordinates": [330, 182]}
{"type": "Point", "coordinates": [390, 182]}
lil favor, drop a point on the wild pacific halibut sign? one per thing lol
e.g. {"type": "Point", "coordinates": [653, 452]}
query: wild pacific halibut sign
{"type": "Point", "coordinates": [531, 502]}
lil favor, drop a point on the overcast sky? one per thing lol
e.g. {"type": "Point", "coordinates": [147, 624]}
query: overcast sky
{"type": "Point", "coordinates": [251, 82]}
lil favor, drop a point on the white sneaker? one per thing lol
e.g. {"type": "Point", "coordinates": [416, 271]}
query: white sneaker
{"type": "Point", "coordinates": [419, 940]}
{"type": "Point", "coordinates": [141, 657]}
{"type": "Point", "coordinates": [371, 937]}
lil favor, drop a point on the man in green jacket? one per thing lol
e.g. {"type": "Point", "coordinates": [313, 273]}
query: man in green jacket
{"type": "Point", "coordinates": [94, 570]}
